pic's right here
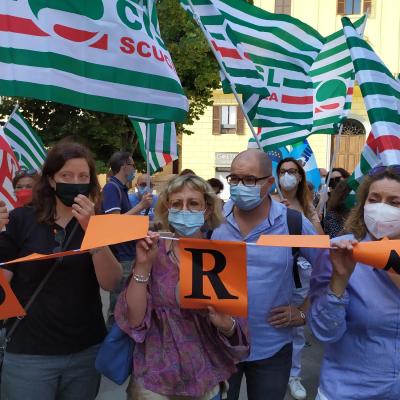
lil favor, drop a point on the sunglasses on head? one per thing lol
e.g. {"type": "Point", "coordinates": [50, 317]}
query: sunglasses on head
{"type": "Point", "coordinates": [25, 172]}
{"type": "Point", "coordinates": [380, 169]}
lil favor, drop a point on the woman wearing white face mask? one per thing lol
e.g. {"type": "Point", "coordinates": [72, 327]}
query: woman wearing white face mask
{"type": "Point", "coordinates": [179, 353]}
{"type": "Point", "coordinates": [293, 185]}
{"type": "Point", "coordinates": [354, 307]}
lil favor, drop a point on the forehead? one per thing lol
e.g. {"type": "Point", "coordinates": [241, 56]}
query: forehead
{"type": "Point", "coordinates": [385, 187]}
{"type": "Point", "coordinates": [142, 179]}
{"type": "Point", "coordinates": [245, 166]}
{"type": "Point", "coordinates": [27, 180]}
{"type": "Point", "coordinates": [75, 165]}
{"type": "Point", "coordinates": [186, 193]}
{"type": "Point", "coordinates": [289, 165]}
{"type": "Point", "coordinates": [336, 174]}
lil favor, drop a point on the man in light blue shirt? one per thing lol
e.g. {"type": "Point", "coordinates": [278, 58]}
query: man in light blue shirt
{"type": "Point", "coordinates": [251, 213]}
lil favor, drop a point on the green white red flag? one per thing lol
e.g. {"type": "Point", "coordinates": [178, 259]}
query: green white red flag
{"type": "Point", "coordinates": [26, 143]}
{"type": "Point", "coordinates": [107, 57]}
{"type": "Point", "coordinates": [162, 143]}
{"type": "Point", "coordinates": [381, 93]}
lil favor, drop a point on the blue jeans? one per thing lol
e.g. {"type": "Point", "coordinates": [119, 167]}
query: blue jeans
{"type": "Point", "coordinates": [266, 379]}
{"type": "Point", "coordinates": [60, 377]}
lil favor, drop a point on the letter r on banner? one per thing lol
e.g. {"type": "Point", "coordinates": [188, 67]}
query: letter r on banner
{"type": "Point", "coordinates": [213, 273]}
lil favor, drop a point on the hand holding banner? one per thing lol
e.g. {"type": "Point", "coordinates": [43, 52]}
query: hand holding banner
{"type": "Point", "coordinates": [213, 273]}
{"type": "Point", "coordinates": [10, 307]}
{"type": "Point", "coordinates": [383, 254]}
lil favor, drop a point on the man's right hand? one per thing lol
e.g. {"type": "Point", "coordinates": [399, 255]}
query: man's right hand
{"type": "Point", "coordinates": [146, 201]}
{"type": "Point", "coordinates": [3, 215]}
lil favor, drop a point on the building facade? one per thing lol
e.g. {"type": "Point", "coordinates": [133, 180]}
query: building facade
{"type": "Point", "coordinates": [221, 132]}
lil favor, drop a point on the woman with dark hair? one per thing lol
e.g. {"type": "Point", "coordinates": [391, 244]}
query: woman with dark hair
{"type": "Point", "coordinates": [337, 175]}
{"type": "Point", "coordinates": [23, 183]}
{"type": "Point", "coordinates": [339, 206]}
{"type": "Point", "coordinates": [51, 352]}
{"type": "Point", "coordinates": [293, 184]}
{"type": "Point", "coordinates": [355, 307]}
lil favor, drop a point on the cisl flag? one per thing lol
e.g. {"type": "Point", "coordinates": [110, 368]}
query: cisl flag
{"type": "Point", "coordinates": [8, 167]}
{"type": "Point", "coordinates": [101, 55]}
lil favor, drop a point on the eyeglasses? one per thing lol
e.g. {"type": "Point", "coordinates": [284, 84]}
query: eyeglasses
{"type": "Point", "coordinates": [380, 169]}
{"type": "Point", "coordinates": [247, 180]}
{"type": "Point", "coordinates": [59, 237]}
{"type": "Point", "coordinates": [25, 172]}
{"type": "Point", "coordinates": [143, 185]}
{"type": "Point", "coordinates": [290, 171]}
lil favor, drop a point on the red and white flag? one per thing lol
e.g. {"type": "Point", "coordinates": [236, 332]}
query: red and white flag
{"type": "Point", "coordinates": [8, 167]}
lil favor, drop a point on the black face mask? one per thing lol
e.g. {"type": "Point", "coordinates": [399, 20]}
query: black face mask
{"type": "Point", "coordinates": [67, 192]}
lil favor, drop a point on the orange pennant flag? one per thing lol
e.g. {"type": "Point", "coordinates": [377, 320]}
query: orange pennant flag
{"type": "Point", "coordinates": [213, 273]}
{"type": "Point", "coordinates": [9, 305]}
{"type": "Point", "coordinates": [104, 230]}
{"type": "Point", "coordinates": [40, 257]}
{"type": "Point", "coordinates": [383, 254]}
{"type": "Point", "coordinates": [312, 241]}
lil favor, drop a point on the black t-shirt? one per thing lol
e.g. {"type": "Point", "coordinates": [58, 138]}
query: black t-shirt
{"type": "Point", "coordinates": [66, 317]}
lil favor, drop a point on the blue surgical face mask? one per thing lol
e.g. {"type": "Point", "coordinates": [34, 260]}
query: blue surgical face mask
{"type": "Point", "coordinates": [131, 176]}
{"type": "Point", "coordinates": [142, 191]}
{"type": "Point", "coordinates": [246, 197]}
{"type": "Point", "coordinates": [186, 223]}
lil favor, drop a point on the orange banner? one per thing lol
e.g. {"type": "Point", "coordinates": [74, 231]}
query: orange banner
{"type": "Point", "coordinates": [383, 254]}
{"type": "Point", "coordinates": [40, 257]}
{"type": "Point", "coordinates": [9, 305]}
{"type": "Point", "coordinates": [104, 230]}
{"type": "Point", "coordinates": [312, 241]}
{"type": "Point", "coordinates": [213, 273]}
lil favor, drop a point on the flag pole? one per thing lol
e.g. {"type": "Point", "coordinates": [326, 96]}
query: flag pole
{"type": "Point", "coordinates": [148, 155]}
{"type": "Point", "coordinates": [232, 85]}
{"type": "Point", "coordinates": [11, 115]}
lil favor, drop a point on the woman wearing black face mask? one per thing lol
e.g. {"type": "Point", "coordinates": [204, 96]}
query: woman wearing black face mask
{"type": "Point", "coordinates": [51, 352]}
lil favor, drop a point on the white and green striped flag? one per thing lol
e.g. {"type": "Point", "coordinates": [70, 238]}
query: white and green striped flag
{"type": "Point", "coordinates": [332, 76]}
{"type": "Point", "coordinates": [162, 143]}
{"type": "Point", "coordinates": [381, 93]}
{"type": "Point", "coordinates": [107, 56]}
{"type": "Point", "coordinates": [241, 71]}
{"type": "Point", "coordinates": [25, 142]}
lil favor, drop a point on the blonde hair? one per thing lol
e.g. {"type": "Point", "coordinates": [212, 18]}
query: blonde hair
{"type": "Point", "coordinates": [196, 183]}
{"type": "Point", "coordinates": [355, 222]}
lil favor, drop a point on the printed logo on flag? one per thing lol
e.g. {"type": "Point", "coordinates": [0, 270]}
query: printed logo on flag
{"type": "Point", "coordinates": [65, 19]}
{"type": "Point", "coordinates": [330, 95]}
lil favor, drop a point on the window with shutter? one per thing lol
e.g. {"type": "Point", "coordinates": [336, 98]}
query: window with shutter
{"type": "Point", "coordinates": [229, 119]}
{"type": "Point", "coordinates": [283, 7]}
{"type": "Point", "coordinates": [340, 7]}
{"type": "Point", "coordinates": [368, 6]}
{"type": "Point", "coordinates": [216, 129]}
{"type": "Point", "coordinates": [240, 122]}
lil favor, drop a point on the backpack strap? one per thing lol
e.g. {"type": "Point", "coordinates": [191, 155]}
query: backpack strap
{"type": "Point", "coordinates": [118, 188]}
{"type": "Point", "coordinates": [295, 224]}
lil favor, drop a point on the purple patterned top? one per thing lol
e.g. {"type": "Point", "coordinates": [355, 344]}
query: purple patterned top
{"type": "Point", "coordinates": [179, 352]}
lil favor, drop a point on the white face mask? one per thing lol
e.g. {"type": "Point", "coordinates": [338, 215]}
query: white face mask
{"type": "Point", "coordinates": [382, 220]}
{"type": "Point", "coordinates": [287, 181]}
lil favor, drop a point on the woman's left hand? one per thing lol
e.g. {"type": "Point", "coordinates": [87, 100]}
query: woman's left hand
{"type": "Point", "coordinates": [82, 210]}
{"type": "Point", "coordinates": [284, 316]}
{"type": "Point", "coordinates": [223, 322]}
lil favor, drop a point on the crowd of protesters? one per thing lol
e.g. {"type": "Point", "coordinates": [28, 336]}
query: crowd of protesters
{"type": "Point", "coordinates": [353, 309]}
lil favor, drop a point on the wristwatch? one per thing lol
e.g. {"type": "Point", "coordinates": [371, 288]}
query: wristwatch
{"type": "Point", "coordinates": [302, 315]}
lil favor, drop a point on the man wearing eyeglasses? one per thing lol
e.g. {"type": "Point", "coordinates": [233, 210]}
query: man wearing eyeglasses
{"type": "Point", "coordinates": [251, 212]}
{"type": "Point", "coordinates": [143, 191]}
{"type": "Point", "coordinates": [116, 201]}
